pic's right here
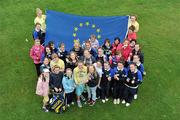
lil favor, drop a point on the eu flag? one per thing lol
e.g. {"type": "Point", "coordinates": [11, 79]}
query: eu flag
{"type": "Point", "coordinates": [65, 28]}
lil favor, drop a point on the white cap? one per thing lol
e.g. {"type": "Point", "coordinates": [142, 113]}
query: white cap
{"type": "Point", "coordinates": [46, 70]}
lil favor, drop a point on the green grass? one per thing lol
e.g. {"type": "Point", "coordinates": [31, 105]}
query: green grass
{"type": "Point", "coordinates": [159, 96]}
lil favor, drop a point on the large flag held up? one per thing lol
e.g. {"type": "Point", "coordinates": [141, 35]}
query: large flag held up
{"type": "Point", "coordinates": [65, 28]}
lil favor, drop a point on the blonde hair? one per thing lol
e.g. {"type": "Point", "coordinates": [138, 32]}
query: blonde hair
{"type": "Point", "coordinates": [38, 10]}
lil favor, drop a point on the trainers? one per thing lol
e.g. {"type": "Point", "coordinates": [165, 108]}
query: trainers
{"type": "Point", "coordinates": [45, 109]}
{"type": "Point", "coordinates": [68, 105]}
{"type": "Point", "coordinates": [72, 103]}
{"type": "Point", "coordinates": [92, 103]}
{"type": "Point", "coordinates": [123, 102]}
{"type": "Point", "coordinates": [115, 102]}
{"type": "Point", "coordinates": [106, 99]}
{"type": "Point", "coordinates": [127, 104]}
{"type": "Point", "coordinates": [89, 101]}
{"type": "Point", "coordinates": [79, 104]}
{"type": "Point", "coordinates": [135, 96]}
{"type": "Point", "coordinates": [103, 101]}
{"type": "Point", "coordinates": [118, 101]}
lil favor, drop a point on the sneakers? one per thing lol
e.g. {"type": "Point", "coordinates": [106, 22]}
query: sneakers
{"type": "Point", "coordinates": [106, 99]}
{"type": "Point", "coordinates": [135, 96]}
{"type": "Point", "coordinates": [79, 104]}
{"type": "Point", "coordinates": [127, 104]}
{"type": "Point", "coordinates": [92, 103]}
{"type": "Point", "coordinates": [123, 102]}
{"type": "Point", "coordinates": [72, 103]}
{"type": "Point", "coordinates": [68, 105]}
{"type": "Point", "coordinates": [45, 109]}
{"type": "Point", "coordinates": [89, 101]}
{"type": "Point", "coordinates": [103, 101]}
{"type": "Point", "coordinates": [115, 102]}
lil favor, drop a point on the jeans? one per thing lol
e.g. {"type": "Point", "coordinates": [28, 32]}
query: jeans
{"type": "Point", "coordinates": [92, 91]}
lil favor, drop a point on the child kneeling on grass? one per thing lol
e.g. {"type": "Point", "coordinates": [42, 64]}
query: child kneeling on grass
{"type": "Point", "coordinates": [93, 79]}
{"type": "Point", "coordinates": [69, 86]}
{"type": "Point", "coordinates": [80, 78]}
{"type": "Point", "coordinates": [42, 88]}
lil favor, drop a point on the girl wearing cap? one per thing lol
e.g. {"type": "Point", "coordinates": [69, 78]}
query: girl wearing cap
{"type": "Point", "coordinates": [42, 88]}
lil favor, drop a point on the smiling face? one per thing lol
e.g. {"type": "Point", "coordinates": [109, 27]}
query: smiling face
{"type": "Point", "coordinates": [98, 63]}
{"type": "Point", "coordinates": [86, 54]}
{"type": "Point", "coordinates": [62, 47]}
{"type": "Point", "coordinates": [68, 72]}
{"type": "Point", "coordinates": [133, 18]}
{"type": "Point", "coordinates": [136, 59]}
{"type": "Point", "coordinates": [39, 13]}
{"type": "Point", "coordinates": [56, 70]}
{"type": "Point", "coordinates": [106, 66]}
{"type": "Point", "coordinates": [37, 42]}
{"type": "Point", "coordinates": [120, 66]}
{"type": "Point", "coordinates": [137, 47]}
{"type": "Point", "coordinates": [100, 52]}
{"type": "Point", "coordinates": [80, 65]}
{"type": "Point", "coordinates": [46, 61]}
{"type": "Point", "coordinates": [73, 56]}
{"type": "Point", "coordinates": [91, 69]}
{"type": "Point", "coordinates": [88, 45]}
{"type": "Point", "coordinates": [132, 67]}
{"type": "Point", "coordinates": [48, 50]}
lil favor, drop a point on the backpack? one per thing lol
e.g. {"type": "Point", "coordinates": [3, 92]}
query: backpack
{"type": "Point", "coordinates": [57, 102]}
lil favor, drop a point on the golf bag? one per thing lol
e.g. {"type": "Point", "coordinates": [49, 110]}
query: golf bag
{"type": "Point", "coordinates": [57, 102]}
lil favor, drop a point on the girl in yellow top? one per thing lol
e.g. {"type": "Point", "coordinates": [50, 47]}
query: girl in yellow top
{"type": "Point", "coordinates": [133, 21]}
{"type": "Point", "coordinates": [40, 18]}
{"type": "Point", "coordinates": [80, 77]}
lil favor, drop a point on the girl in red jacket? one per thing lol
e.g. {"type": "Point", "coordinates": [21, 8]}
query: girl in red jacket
{"type": "Point", "coordinates": [126, 52]}
{"type": "Point", "coordinates": [116, 46]}
{"type": "Point", "coordinates": [131, 34]}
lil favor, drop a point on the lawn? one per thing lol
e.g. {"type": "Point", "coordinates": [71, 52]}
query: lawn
{"type": "Point", "coordinates": [159, 95]}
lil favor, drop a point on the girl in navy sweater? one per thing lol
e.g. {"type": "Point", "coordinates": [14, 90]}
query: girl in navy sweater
{"type": "Point", "coordinates": [118, 84]}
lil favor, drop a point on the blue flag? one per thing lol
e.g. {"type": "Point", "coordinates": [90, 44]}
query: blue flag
{"type": "Point", "coordinates": [65, 28]}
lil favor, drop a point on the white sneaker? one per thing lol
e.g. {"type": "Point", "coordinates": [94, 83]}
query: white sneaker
{"type": "Point", "coordinates": [72, 103]}
{"type": "Point", "coordinates": [115, 102]}
{"type": "Point", "coordinates": [106, 99]}
{"type": "Point", "coordinates": [118, 101]}
{"type": "Point", "coordinates": [127, 104]}
{"type": "Point", "coordinates": [68, 105]}
{"type": "Point", "coordinates": [123, 102]}
{"type": "Point", "coordinates": [79, 104]}
{"type": "Point", "coordinates": [135, 96]}
{"type": "Point", "coordinates": [103, 101]}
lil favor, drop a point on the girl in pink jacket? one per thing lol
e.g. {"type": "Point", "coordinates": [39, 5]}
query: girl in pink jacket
{"type": "Point", "coordinates": [42, 88]}
{"type": "Point", "coordinates": [36, 53]}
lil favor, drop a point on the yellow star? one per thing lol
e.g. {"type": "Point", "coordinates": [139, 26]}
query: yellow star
{"type": "Point", "coordinates": [87, 23]}
{"type": "Point", "coordinates": [98, 30]}
{"type": "Point", "coordinates": [75, 28]}
{"type": "Point", "coordinates": [99, 36]}
{"type": "Point", "coordinates": [81, 24]}
{"type": "Point", "coordinates": [93, 26]}
{"type": "Point", "coordinates": [74, 34]}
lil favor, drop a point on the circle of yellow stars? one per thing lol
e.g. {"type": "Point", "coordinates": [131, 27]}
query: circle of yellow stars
{"type": "Point", "coordinates": [86, 24]}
